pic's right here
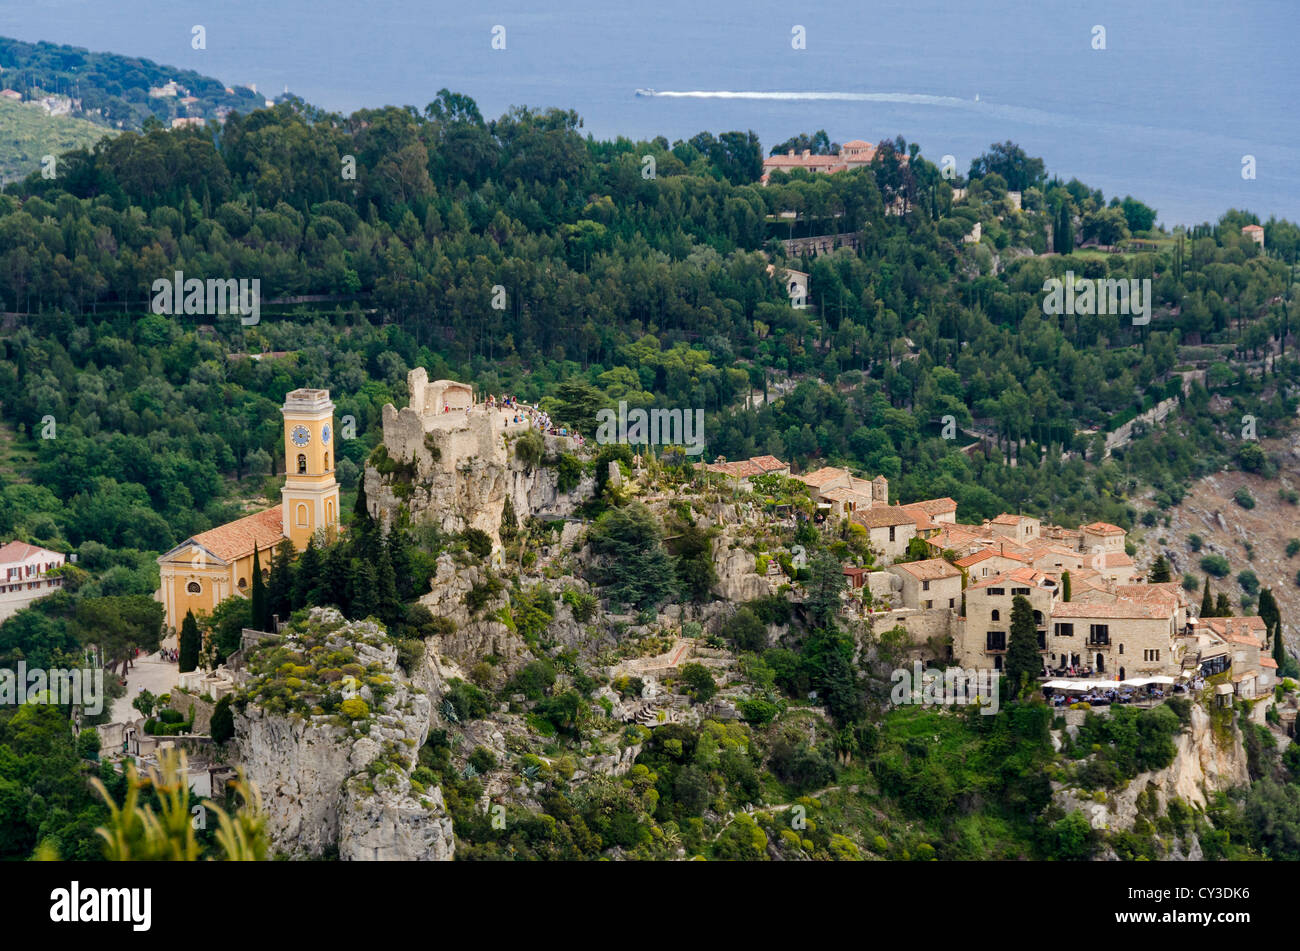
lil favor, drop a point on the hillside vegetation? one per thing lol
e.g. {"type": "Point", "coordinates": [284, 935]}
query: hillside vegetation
{"type": "Point", "coordinates": [28, 133]}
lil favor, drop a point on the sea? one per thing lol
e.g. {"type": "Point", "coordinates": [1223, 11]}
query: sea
{"type": "Point", "coordinates": [1187, 105]}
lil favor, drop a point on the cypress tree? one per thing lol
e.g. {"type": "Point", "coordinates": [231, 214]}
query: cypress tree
{"type": "Point", "coordinates": [399, 553]}
{"type": "Point", "coordinates": [334, 588]}
{"type": "Point", "coordinates": [1065, 585]}
{"type": "Point", "coordinates": [1222, 606]}
{"type": "Point", "coordinates": [307, 577]}
{"type": "Point", "coordinates": [188, 648]}
{"type": "Point", "coordinates": [388, 607]}
{"type": "Point", "coordinates": [1024, 663]}
{"type": "Point", "coordinates": [1268, 609]}
{"type": "Point", "coordinates": [1207, 605]}
{"type": "Point", "coordinates": [365, 602]}
{"type": "Point", "coordinates": [261, 618]}
{"type": "Point", "coordinates": [279, 593]}
{"type": "Point", "coordinates": [360, 508]}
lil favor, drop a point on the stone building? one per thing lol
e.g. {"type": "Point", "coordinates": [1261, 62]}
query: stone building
{"type": "Point", "coordinates": [987, 631]}
{"type": "Point", "coordinates": [889, 529]}
{"type": "Point", "coordinates": [1122, 639]}
{"type": "Point", "coordinates": [929, 584]}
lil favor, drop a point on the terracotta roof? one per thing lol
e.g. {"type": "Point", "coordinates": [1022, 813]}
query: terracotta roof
{"type": "Point", "coordinates": [1234, 633]}
{"type": "Point", "coordinates": [1007, 519]}
{"type": "Point", "coordinates": [882, 517]}
{"type": "Point", "coordinates": [1170, 591]}
{"type": "Point", "coordinates": [768, 463]}
{"type": "Point", "coordinates": [737, 470]}
{"type": "Point", "coordinates": [931, 569]}
{"type": "Point", "coordinates": [923, 521]}
{"type": "Point", "coordinates": [20, 551]}
{"type": "Point", "coordinates": [236, 539]}
{"type": "Point", "coordinates": [984, 554]}
{"type": "Point", "coordinates": [1102, 528]}
{"type": "Point", "coordinates": [1043, 550]}
{"type": "Point", "coordinates": [956, 536]}
{"type": "Point", "coordinates": [933, 506]}
{"type": "Point", "coordinates": [1087, 578]}
{"type": "Point", "coordinates": [1116, 610]}
{"type": "Point", "coordinates": [1251, 228]}
{"type": "Point", "coordinates": [821, 476]}
{"type": "Point", "coordinates": [1023, 576]}
{"type": "Point", "coordinates": [1228, 627]}
{"type": "Point", "coordinates": [1117, 559]}
{"type": "Point", "coordinates": [1268, 662]}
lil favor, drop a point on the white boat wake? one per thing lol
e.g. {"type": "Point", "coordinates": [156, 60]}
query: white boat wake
{"type": "Point", "coordinates": [904, 97]}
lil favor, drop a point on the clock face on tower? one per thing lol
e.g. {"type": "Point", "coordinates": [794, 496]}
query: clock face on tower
{"type": "Point", "coordinates": [300, 436]}
{"type": "Point", "coordinates": [325, 434]}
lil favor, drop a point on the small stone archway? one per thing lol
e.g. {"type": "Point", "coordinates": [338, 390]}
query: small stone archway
{"type": "Point", "coordinates": [1101, 663]}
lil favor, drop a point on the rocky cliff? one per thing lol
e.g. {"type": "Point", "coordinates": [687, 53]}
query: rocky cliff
{"type": "Point", "coordinates": [1203, 765]}
{"type": "Point", "coordinates": [340, 780]}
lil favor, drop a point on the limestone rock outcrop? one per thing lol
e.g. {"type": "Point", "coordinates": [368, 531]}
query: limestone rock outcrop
{"type": "Point", "coordinates": [476, 634]}
{"type": "Point", "coordinates": [1202, 766]}
{"type": "Point", "coordinates": [326, 780]}
{"type": "Point", "coordinates": [737, 580]}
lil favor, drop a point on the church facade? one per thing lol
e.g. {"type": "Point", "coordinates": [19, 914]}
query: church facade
{"type": "Point", "coordinates": [205, 569]}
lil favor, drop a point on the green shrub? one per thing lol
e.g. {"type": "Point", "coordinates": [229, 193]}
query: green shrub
{"type": "Point", "coordinates": [1215, 565]}
{"type": "Point", "coordinates": [222, 727]}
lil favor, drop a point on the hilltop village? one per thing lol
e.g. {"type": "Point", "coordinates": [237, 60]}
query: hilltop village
{"type": "Point", "coordinates": [951, 587]}
{"type": "Point", "coordinates": [592, 612]}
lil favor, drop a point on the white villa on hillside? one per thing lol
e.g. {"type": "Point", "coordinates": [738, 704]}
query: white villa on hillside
{"type": "Point", "coordinates": [25, 575]}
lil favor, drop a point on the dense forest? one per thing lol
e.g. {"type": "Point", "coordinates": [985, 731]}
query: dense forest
{"type": "Point", "coordinates": [653, 290]}
{"type": "Point", "coordinates": [125, 430]}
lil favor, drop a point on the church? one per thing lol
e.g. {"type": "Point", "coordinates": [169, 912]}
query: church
{"type": "Point", "coordinates": [205, 569]}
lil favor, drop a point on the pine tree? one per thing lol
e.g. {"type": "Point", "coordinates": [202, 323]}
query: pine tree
{"type": "Point", "coordinates": [1207, 605]}
{"type": "Point", "coordinates": [824, 587]}
{"type": "Point", "coordinates": [1159, 570]}
{"type": "Point", "coordinates": [1024, 663]}
{"type": "Point", "coordinates": [188, 648]}
{"type": "Point", "coordinates": [261, 617]}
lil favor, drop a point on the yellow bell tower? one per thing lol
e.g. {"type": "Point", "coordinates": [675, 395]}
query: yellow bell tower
{"type": "Point", "coordinates": [310, 497]}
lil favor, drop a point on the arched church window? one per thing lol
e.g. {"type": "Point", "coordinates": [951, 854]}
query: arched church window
{"type": "Point", "coordinates": [327, 462]}
{"type": "Point", "coordinates": [194, 588]}
{"type": "Point", "coordinates": [302, 515]}
{"type": "Point", "coordinates": [302, 464]}
{"type": "Point", "coordinates": [243, 583]}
